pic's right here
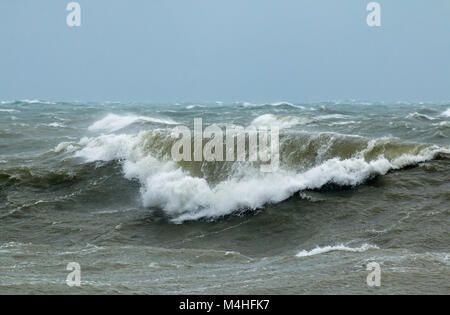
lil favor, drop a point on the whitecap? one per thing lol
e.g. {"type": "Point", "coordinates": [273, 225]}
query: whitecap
{"type": "Point", "coordinates": [7, 110]}
{"type": "Point", "coordinates": [344, 123]}
{"type": "Point", "coordinates": [114, 122]}
{"type": "Point", "coordinates": [419, 116]}
{"type": "Point", "coordinates": [333, 116]}
{"type": "Point", "coordinates": [326, 249]}
{"type": "Point", "coordinates": [65, 146]}
{"type": "Point", "coordinates": [279, 121]}
{"type": "Point", "coordinates": [36, 101]}
{"type": "Point", "coordinates": [274, 104]}
{"type": "Point", "coordinates": [194, 106]}
{"type": "Point", "coordinates": [442, 124]}
{"type": "Point", "coordinates": [55, 125]}
{"type": "Point", "coordinates": [446, 113]}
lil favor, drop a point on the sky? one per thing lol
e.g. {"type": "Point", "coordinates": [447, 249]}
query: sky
{"type": "Point", "coordinates": [225, 50]}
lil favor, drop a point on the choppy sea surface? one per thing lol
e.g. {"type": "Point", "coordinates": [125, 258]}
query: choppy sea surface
{"type": "Point", "coordinates": [94, 183]}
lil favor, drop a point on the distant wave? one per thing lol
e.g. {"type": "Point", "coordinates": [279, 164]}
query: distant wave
{"type": "Point", "coordinates": [333, 116]}
{"type": "Point", "coordinates": [31, 101]}
{"type": "Point", "coordinates": [442, 125]}
{"type": "Point", "coordinates": [114, 122]}
{"type": "Point", "coordinates": [8, 110]}
{"type": "Point", "coordinates": [280, 121]}
{"type": "Point", "coordinates": [247, 104]}
{"type": "Point", "coordinates": [419, 116]}
{"type": "Point", "coordinates": [55, 125]}
{"type": "Point", "coordinates": [26, 101]}
{"type": "Point", "coordinates": [194, 106]}
{"type": "Point", "coordinates": [322, 250]}
{"type": "Point", "coordinates": [36, 102]}
{"type": "Point", "coordinates": [344, 123]}
{"type": "Point", "coordinates": [446, 113]}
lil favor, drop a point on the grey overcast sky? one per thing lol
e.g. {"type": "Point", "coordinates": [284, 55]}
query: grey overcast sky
{"type": "Point", "coordinates": [228, 50]}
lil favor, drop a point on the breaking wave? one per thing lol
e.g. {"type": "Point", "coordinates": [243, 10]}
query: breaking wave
{"type": "Point", "coordinates": [417, 115]}
{"type": "Point", "coordinates": [194, 106]}
{"type": "Point", "coordinates": [275, 104]}
{"type": "Point", "coordinates": [112, 122]}
{"type": "Point", "coordinates": [280, 121]}
{"type": "Point", "coordinates": [446, 113]}
{"type": "Point", "coordinates": [322, 250]}
{"type": "Point", "coordinates": [55, 125]}
{"type": "Point", "coordinates": [7, 110]}
{"type": "Point", "coordinates": [208, 190]}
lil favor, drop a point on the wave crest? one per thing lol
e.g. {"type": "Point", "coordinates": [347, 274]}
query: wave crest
{"type": "Point", "coordinates": [112, 122]}
{"type": "Point", "coordinates": [195, 190]}
{"type": "Point", "coordinates": [446, 113]}
{"type": "Point", "coordinates": [280, 121]}
{"type": "Point", "coordinates": [326, 249]}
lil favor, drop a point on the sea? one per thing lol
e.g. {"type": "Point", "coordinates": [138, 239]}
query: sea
{"type": "Point", "coordinates": [362, 192]}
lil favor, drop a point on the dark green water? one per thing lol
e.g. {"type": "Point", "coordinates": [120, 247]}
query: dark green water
{"type": "Point", "coordinates": [94, 183]}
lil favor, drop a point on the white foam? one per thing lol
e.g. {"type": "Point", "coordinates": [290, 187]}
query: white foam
{"type": "Point", "coordinates": [114, 122]}
{"type": "Point", "coordinates": [21, 124]}
{"type": "Point", "coordinates": [275, 104]}
{"type": "Point", "coordinates": [281, 104]}
{"type": "Point", "coordinates": [333, 116]}
{"type": "Point", "coordinates": [31, 101]}
{"type": "Point", "coordinates": [344, 123]}
{"type": "Point", "coordinates": [420, 116]}
{"type": "Point", "coordinates": [7, 110]}
{"type": "Point", "coordinates": [322, 250]}
{"type": "Point", "coordinates": [442, 124]}
{"type": "Point", "coordinates": [55, 125]}
{"type": "Point", "coordinates": [37, 102]}
{"type": "Point", "coordinates": [106, 147]}
{"type": "Point", "coordinates": [446, 113]}
{"type": "Point", "coordinates": [194, 106]}
{"type": "Point", "coordinates": [65, 146]}
{"type": "Point", "coordinates": [185, 197]}
{"type": "Point", "coordinates": [270, 120]}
